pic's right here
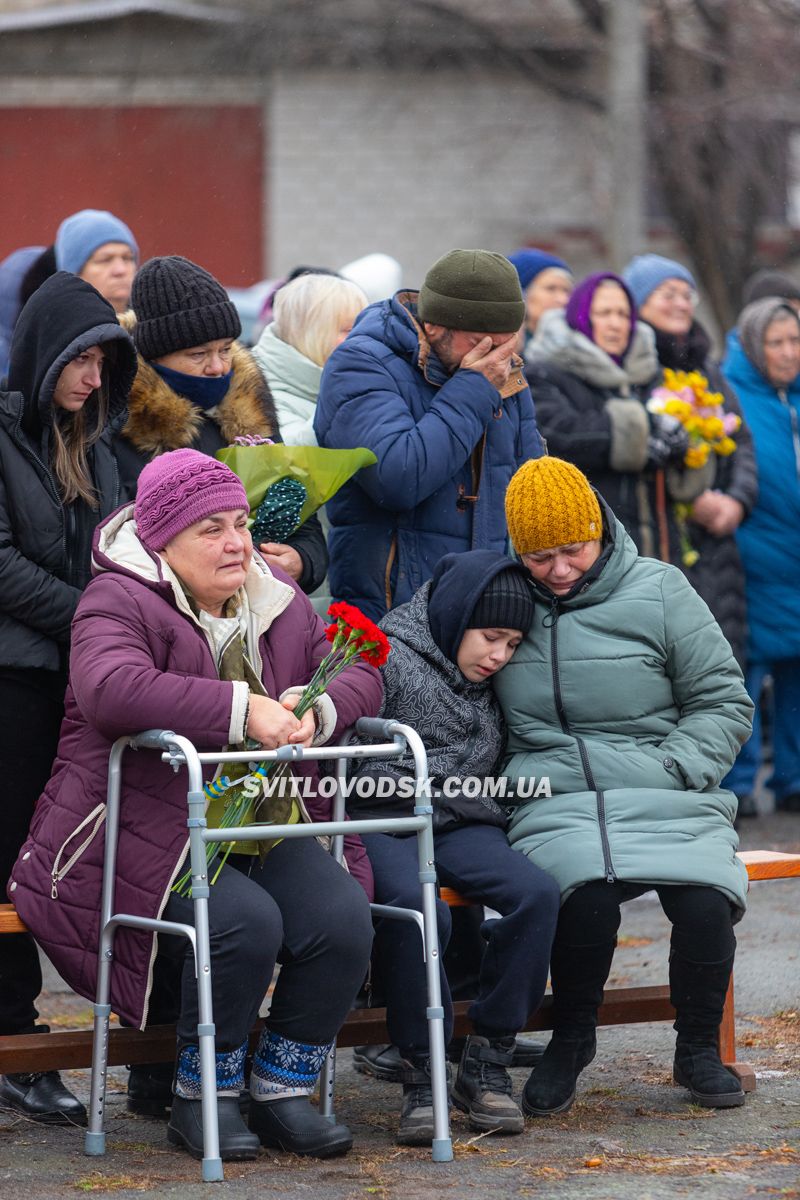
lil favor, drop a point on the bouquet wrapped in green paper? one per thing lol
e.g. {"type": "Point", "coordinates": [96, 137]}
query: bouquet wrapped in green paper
{"type": "Point", "coordinates": [286, 484]}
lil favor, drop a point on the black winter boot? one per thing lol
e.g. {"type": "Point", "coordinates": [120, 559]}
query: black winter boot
{"type": "Point", "coordinates": [41, 1096]}
{"type": "Point", "coordinates": [578, 974]}
{"type": "Point", "coordinates": [292, 1123]}
{"type": "Point", "coordinates": [697, 991]}
{"type": "Point", "coordinates": [483, 1085]}
{"type": "Point", "coordinates": [384, 1062]}
{"type": "Point", "coordinates": [150, 1089]}
{"type": "Point", "coordinates": [526, 1052]}
{"type": "Point", "coordinates": [553, 1082]}
{"type": "Point", "coordinates": [236, 1143]}
{"type": "Point", "coordinates": [699, 1068]}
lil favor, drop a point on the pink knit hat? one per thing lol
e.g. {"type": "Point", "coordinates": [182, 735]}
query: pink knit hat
{"type": "Point", "coordinates": [181, 487]}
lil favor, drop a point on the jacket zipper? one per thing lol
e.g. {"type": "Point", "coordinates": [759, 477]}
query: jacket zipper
{"type": "Point", "coordinates": [795, 432]}
{"type": "Point", "coordinates": [608, 865]}
{"type": "Point", "coordinates": [58, 871]}
{"type": "Point", "coordinates": [26, 449]}
{"type": "Point", "coordinates": [69, 539]}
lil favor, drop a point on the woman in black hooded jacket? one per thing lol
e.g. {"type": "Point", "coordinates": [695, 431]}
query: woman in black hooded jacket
{"type": "Point", "coordinates": [70, 370]}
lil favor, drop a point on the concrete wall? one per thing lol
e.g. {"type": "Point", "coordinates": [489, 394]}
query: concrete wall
{"type": "Point", "coordinates": [371, 161]}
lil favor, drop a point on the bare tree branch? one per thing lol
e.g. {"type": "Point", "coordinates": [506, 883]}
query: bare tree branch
{"type": "Point", "coordinates": [595, 14]}
{"type": "Point", "coordinates": [527, 62]}
{"type": "Point", "coordinates": [712, 14]}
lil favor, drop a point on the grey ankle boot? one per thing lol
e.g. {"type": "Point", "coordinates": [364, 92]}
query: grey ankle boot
{"type": "Point", "coordinates": [416, 1112]}
{"type": "Point", "coordinates": [483, 1085]}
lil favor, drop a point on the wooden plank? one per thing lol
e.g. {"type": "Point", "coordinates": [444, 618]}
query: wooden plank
{"type": "Point", "coordinates": [770, 864]}
{"type": "Point", "coordinates": [9, 921]}
{"type": "Point", "coordinates": [71, 1049]}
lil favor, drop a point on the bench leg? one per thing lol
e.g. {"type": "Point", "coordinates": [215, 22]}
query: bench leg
{"type": "Point", "coordinates": [727, 1045]}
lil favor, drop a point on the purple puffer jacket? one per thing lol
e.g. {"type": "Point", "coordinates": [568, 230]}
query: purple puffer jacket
{"type": "Point", "coordinates": [139, 662]}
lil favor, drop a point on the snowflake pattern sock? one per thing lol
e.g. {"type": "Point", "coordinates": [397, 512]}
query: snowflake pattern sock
{"type": "Point", "coordinates": [230, 1072]}
{"type": "Point", "coordinates": [282, 1067]}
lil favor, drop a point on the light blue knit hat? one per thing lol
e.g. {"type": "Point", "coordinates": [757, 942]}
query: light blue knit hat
{"type": "Point", "coordinates": [646, 272]}
{"type": "Point", "coordinates": [81, 234]}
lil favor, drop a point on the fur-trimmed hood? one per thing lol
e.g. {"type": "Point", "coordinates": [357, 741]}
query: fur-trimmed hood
{"type": "Point", "coordinates": [160, 420]}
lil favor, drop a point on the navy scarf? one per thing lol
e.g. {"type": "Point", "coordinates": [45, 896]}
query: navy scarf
{"type": "Point", "coordinates": [207, 391]}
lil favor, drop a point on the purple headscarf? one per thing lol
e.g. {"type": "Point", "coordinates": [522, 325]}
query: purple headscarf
{"type": "Point", "coordinates": [580, 304]}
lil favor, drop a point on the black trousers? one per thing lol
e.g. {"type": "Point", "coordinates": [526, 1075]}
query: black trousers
{"type": "Point", "coordinates": [701, 954]}
{"type": "Point", "coordinates": [701, 917]}
{"type": "Point", "coordinates": [300, 909]}
{"type": "Point", "coordinates": [32, 708]}
{"type": "Point", "coordinates": [478, 862]}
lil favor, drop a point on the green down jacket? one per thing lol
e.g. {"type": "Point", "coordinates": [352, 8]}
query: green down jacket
{"type": "Point", "coordinates": [627, 697]}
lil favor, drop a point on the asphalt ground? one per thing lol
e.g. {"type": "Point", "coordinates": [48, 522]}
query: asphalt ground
{"type": "Point", "coordinates": [632, 1135]}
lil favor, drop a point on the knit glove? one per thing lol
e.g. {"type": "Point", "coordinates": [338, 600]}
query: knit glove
{"type": "Point", "coordinates": [667, 442]}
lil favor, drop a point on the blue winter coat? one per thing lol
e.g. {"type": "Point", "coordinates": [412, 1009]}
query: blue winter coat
{"type": "Point", "coordinates": [768, 540]}
{"type": "Point", "coordinates": [383, 388]}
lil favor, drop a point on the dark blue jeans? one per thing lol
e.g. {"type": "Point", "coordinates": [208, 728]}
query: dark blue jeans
{"type": "Point", "coordinates": [479, 863]}
{"type": "Point", "coordinates": [785, 780]}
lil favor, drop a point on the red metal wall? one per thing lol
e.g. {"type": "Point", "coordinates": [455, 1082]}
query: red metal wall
{"type": "Point", "coordinates": [188, 180]}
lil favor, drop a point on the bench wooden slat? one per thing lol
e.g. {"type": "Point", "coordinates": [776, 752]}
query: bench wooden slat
{"type": "Point", "coordinates": [770, 864]}
{"type": "Point", "coordinates": [69, 1049]}
{"type": "Point", "coordinates": [9, 921]}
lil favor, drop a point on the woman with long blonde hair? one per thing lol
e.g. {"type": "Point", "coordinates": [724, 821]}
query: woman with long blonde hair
{"type": "Point", "coordinates": [313, 314]}
{"type": "Point", "coordinates": [70, 371]}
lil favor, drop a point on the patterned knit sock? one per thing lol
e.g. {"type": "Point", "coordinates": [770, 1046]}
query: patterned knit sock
{"type": "Point", "coordinates": [282, 1067]}
{"type": "Point", "coordinates": [230, 1072]}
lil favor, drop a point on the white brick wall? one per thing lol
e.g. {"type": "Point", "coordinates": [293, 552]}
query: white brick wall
{"type": "Point", "coordinates": [413, 167]}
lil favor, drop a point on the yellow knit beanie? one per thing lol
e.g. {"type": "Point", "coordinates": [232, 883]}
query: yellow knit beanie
{"type": "Point", "coordinates": [550, 503]}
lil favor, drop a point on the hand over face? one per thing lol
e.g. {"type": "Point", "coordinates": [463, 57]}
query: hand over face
{"type": "Point", "coordinates": [493, 363]}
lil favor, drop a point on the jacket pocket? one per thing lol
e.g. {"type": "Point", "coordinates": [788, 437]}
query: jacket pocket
{"type": "Point", "coordinates": [90, 826]}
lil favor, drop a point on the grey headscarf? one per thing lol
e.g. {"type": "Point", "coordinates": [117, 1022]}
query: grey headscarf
{"type": "Point", "coordinates": [754, 322]}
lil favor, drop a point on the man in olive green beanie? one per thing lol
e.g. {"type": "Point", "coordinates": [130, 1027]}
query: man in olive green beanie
{"type": "Point", "coordinates": [431, 383]}
{"type": "Point", "coordinates": [473, 290]}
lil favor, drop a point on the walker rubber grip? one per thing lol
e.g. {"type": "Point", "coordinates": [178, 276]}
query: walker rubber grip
{"type": "Point", "coordinates": [374, 727]}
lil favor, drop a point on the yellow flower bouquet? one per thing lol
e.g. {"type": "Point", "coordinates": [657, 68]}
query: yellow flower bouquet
{"type": "Point", "coordinates": [688, 397]}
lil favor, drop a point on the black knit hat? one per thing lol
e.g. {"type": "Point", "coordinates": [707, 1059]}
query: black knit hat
{"type": "Point", "coordinates": [178, 305]}
{"type": "Point", "coordinates": [472, 289]}
{"type": "Point", "coordinates": [505, 603]}
{"type": "Point", "coordinates": [770, 283]}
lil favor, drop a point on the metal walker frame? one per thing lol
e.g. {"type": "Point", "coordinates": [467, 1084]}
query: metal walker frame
{"type": "Point", "coordinates": [179, 752]}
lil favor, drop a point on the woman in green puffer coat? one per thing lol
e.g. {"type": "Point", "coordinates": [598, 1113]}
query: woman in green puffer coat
{"type": "Point", "coordinates": [626, 695]}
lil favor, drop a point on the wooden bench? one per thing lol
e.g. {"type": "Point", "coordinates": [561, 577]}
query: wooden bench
{"type": "Point", "coordinates": [69, 1049]}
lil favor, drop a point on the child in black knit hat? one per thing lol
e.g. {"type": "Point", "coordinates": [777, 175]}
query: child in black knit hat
{"type": "Point", "coordinates": [458, 631]}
